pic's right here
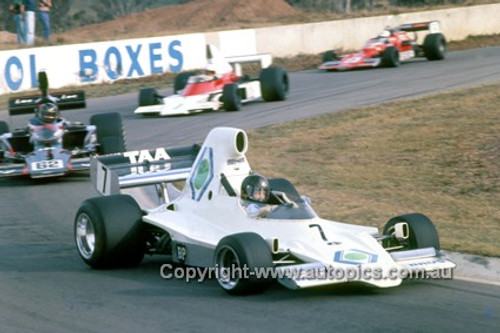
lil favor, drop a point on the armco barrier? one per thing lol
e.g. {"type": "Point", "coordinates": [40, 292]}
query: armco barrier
{"type": "Point", "coordinates": [81, 64]}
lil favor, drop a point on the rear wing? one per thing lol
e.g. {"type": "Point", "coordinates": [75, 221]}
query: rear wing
{"type": "Point", "coordinates": [264, 59]}
{"type": "Point", "coordinates": [64, 100]}
{"type": "Point", "coordinates": [432, 26]}
{"type": "Point", "coordinates": [111, 173]}
{"type": "Point", "coordinates": [224, 64]}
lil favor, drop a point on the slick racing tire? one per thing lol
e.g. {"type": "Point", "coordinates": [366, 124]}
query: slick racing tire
{"type": "Point", "coordinates": [435, 46]}
{"type": "Point", "coordinates": [422, 232]}
{"type": "Point", "coordinates": [330, 56]}
{"type": "Point", "coordinates": [181, 80]}
{"type": "Point", "coordinates": [4, 127]}
{"type": "Point", "coordinates": [109, 132]}
{"type": "Point", "coordinates": [108, 232]}
{"type": "Point", "coordinates": [390, 57]}
{"type": "Point", "coordinates": [274, 84]}
{"type": "Point", "coordinates": [237, 257]}
{"type": "Point", "coordinates": [148, 96]}
{"type": "Point", "coordinates": [230, 99]}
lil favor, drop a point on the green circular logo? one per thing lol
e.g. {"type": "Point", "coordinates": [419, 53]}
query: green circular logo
{"type": "Point", "coordinates": [355, 256]}
{"type": "Point", "coordinates": [201, 174]}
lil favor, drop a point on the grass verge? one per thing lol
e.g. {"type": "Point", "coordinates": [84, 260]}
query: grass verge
{"type": "Point", "coordinates": [437, 155]}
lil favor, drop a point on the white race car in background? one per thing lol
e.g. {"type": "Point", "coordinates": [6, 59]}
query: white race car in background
{"type": "Point", "coordinates": [206, 224]}
{"type": "Point", "coordinates": [222, 86]}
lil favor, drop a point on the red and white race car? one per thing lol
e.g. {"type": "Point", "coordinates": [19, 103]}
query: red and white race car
{"type": "Point", "coordinates": [220, 86]}
{"type": "Point", "coordinates": [390, 47]}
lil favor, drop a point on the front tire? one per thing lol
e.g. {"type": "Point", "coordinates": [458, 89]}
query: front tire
{"type": "Point", "coordinates": [390, 57]}
{"type": "Point", "coordinates": [330, 56]}
{"type": "Point", "coordinates": [181, 80]}
{"type": "Point", "coordinates": [422, 232]}
{"type": "Point", "coordinates": [108, 232]}
{"type": "Point", "coordinates": [237, 257]}
{"type": "Point", "coordinates": [230, 99]}
{"type": "Point", "coordinates": [148, 96]}
{"type": "Point", "coordinates": [109, 132]}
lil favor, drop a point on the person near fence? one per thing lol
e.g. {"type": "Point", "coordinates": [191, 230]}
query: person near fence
{"type": "Point", "coordinates": [44, 7]}
{"type": "Point", "coordinates": [17, 10]}
{"type": "Point", "coordinates": [29, 19]}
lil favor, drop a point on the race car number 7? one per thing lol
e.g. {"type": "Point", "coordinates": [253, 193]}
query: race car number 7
{"type": "Point", "coordinates": [47, 165]}
{"type": "Point", "coordinates": [103, 181]}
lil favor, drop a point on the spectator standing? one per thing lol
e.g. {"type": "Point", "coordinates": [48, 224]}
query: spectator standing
{"type": "Point", "coordinates": [29, 19]}
{"type": "Point", "coordinates": [44, 15]}
{"type": "Point", "coordinates": [17, 11]}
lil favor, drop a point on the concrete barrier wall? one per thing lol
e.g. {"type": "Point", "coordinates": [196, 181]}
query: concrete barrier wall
{"type": "Point", "coordinates": [82, 64]}
{"type": "Point", "coordinates": [456, 24]}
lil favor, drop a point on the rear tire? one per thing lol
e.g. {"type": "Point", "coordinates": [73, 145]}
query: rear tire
{"type": "Point", "coordinates": [240, 253]}
{"type": "Point", "coordinates": [148, 96]}
{"type": "Point", "coordinates": [109, 132]}
{"type": "Point", "coordinates": [390, 57]}
{"type": "Point", "coordinates": [230, 99]}
{"type": "Point", "coordinates": [435, 46]}
{"type": "Point", "coordinates": [109, 233]}
{"type": "Point", "coordinates": [422, 232]}
{"type": "Point", "coordinates": [274, 84]}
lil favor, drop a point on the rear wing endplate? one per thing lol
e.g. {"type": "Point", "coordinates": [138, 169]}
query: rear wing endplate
{"type": "Point", "coordinates": [65, 100]}
{"type": "Point", "coordinates": [111, 173]}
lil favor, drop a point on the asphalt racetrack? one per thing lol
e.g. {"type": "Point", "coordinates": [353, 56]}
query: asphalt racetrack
{"type": "Point", "coordinates": [45, 286]}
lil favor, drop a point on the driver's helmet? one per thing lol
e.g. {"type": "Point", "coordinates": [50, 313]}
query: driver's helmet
{"type": "Point", "coordinates": [255, 187]}
{"type": "Point", "coordinates": [48, 112]}
{"type": "Point", "coordinates": [385, 34]}
{"type": "Point", "coordinates": [210, 69]}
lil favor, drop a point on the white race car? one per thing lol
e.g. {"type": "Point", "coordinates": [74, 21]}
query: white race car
{"type": "Point", "coordinates": [212, 223]}
{"type": "Point", "coordinates": [221, 86]}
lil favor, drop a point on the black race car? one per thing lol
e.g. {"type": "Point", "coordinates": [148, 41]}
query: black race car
{"type": "Point", "coordinates": [51, 145]}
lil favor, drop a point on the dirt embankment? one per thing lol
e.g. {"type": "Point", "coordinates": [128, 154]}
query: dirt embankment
{"type": "Point", "coordinates": [199, 15]}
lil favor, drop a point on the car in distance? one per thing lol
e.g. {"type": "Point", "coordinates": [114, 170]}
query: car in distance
{"type": "Point", "coordinates": [391, 47]}
{"type": "Point", "coordinates": [221, 86]}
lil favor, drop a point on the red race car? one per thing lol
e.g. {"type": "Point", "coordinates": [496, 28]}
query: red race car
{"type": "Point", "coordinates": [390, 47]}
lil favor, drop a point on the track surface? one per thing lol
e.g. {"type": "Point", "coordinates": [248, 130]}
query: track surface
{"type": "Point", "coordinates": [45, 287]}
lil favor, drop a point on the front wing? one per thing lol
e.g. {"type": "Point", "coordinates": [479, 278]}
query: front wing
{"type": "Point", "coordinates": [340, 65]}
{"type": "Point", "coordinates": [420, 263]}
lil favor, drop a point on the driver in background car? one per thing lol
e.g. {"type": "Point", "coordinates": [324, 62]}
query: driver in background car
{"type": "Point", "coordinates": [255, 193]}
{"type": "Point", "coordinates": [46, 113]}
{"type": "Point", "coordinates": [47, 125]}
{"type": "Point", "coordinates": [210, 72]}
{"type": "Point", "coordinates": [387, 33]}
